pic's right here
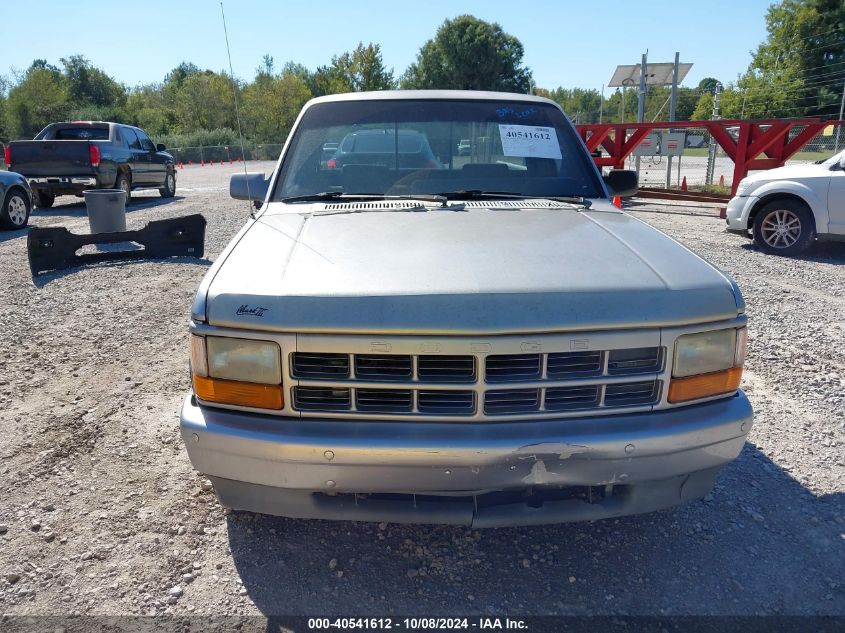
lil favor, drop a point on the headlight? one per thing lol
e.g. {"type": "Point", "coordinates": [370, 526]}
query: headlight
{"type": "Point", "coordinates": [704, 352]}
{"type": "Point", "coordinates": [237, 371]}
{"type": "Point", "coordinates": [707, 364]}
{"type": "Point", "coordinates": [743, 187]}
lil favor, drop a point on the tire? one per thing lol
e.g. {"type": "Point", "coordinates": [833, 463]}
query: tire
{"type": "Point", "coordinates": [784, 227]}
{"type": "Point", "coordinates": [44, 200]}
{"type": "Point", "coordinates": [124, 181]}
{"type": "Point", "coordinates": [169, 189]}
{"type": "Point", "coordinates": [14, 214]}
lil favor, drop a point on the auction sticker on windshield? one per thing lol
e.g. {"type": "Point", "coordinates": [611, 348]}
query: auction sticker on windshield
{"type": "Point", "coordinates": [529, 141]}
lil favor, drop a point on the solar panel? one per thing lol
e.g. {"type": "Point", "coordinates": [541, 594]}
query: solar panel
{"type": "Point", "coordinates": [659, 74]}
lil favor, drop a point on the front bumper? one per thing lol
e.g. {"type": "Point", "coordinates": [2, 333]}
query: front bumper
{"type": "Point", "coordinates": [737, 214]}
{"type": "Point", "coordinates": [451, 473]}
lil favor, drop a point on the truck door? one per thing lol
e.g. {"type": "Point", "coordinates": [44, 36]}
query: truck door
{"type": "Point", "coordinates": [155, 164]}
{"type": "Point", "coordinates": [138, 158]}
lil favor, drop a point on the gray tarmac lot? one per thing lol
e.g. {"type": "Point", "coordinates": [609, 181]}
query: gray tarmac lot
{"type": "Point", "coordinates": [101, 512]}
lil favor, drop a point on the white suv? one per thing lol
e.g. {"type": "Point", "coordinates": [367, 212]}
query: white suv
{"type": "Point", "coordinates": [787, 208]}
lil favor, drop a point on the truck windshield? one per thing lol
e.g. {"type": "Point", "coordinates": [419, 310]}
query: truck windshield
{"type": "Point", "coordinates": [408, 147]}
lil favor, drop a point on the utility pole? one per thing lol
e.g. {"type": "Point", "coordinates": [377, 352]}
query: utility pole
{"type": "Point", "coordinates": [641, 99]}
{"type": "Point", "coordinates": [841, 111]}
{"type": "Point", "coordinates": [711, 154]}
{"type": "Point", "coordinates": [601, 104]}
{"type": "Point", "coordinates": [673, 99]}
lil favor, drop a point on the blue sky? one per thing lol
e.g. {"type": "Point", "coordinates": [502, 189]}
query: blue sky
{"type": "Point", "coordinates": [568, 43]}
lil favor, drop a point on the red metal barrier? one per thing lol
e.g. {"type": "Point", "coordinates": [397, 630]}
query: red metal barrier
{"type": "Point", "coordinates": [760, 144]}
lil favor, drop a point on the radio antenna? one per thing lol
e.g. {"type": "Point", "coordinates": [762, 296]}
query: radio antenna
{"type": "Point", "coordinates": [237, 110]}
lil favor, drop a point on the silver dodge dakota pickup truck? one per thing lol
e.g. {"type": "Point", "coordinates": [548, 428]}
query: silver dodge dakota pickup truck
{"type": "Point", "coordinates": [413, 328]}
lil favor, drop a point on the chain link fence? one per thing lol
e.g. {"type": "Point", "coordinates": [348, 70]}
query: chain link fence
{"type": "Point", "coordinates": [225, 153]}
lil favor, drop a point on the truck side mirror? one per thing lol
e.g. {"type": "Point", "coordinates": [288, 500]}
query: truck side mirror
{"type": "Point", "coordinates": [160, 147]}
{"type": "Point", "coordinates": [250, 186]}
{"type": "Point", "coordinates": [622, 182]}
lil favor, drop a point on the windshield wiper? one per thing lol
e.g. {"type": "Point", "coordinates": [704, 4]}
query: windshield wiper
{"type": "Point", "coordinates": [338, 195]}
{"type": "Point", "coordinates": [476, 194]}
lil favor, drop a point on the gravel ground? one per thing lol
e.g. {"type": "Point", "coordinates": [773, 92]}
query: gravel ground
{"type": "Point", "coordinates": [101, 512]}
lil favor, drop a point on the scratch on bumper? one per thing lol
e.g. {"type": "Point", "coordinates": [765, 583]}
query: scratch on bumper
{"type": "Point", "coordinates": [438, 458]}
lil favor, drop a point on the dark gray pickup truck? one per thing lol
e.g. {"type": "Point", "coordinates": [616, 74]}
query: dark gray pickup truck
{"type": "Point", "coordinates": [68, 158]}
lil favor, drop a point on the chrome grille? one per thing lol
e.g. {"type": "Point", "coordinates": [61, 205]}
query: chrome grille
{"type": "Point", "coordinates": [446, 402]}
{"type": "Point", "coordinates": [631, 393]}
{"type": "Point", "coordinates": [305, 365]}
{"type": "Point", "coordinates": [571, 364]}
{"type": "Point", "coordinates": [482, 384]}
{"type": "Point", "coordinates": [634, 361]}
{"type": "Point", "coordinates": [321, 399]}
{"type": "Point", "coordinates": [446, 368]}
{"type": "Point", "coordinates": [501, 401]}
{"type": "Point", "coordinates": [568, 398]}
{"type": "Point", "coordinates": [509, 367]}
{"type": "Point", "coordinates": [383, 367]}
{"type": "Point", "coordinates": [384, 400]}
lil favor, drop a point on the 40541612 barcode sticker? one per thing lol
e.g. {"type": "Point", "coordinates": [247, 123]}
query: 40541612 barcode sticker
{"type": "Point", "coordinates": [529, 141]}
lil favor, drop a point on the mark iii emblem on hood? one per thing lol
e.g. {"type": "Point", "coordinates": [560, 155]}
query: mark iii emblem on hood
{"type": "Point", "coordinates": [251, 311]}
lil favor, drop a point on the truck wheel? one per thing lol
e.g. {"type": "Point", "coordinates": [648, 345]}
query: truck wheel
{"type": "Point", "coordinates": [169, 189]}
{"type": "Point", "coordinates": [124, 183]}
{"type": "Point", "coordinates": [784, 227]}
{"type": "Point", "coordinates": [44, 200]}
{"type": "Point", "coordinates": [14, 213]}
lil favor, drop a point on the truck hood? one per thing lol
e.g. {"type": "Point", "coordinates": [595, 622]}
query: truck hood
{"type": "Point", "coordinates": [458, 272]}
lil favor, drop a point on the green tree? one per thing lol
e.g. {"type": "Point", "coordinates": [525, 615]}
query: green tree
{"type": "Point", "coordinates": [582, 106]}
{"type": "Point", "coordinates": [708, 84]}
{"type": "Point", "coordinates": [362, 69]}
{"type": "Point", "coordinates": [149, 108]}
{"type": "Point", "coordinates": [469, 54]}
{"type": "Point", "coordinates": [798, 70]}
{"type": "Point", "coordinates": [88, 85]}
{"type": "Point", "coordinates": [366, 71]}
{"type": "Point", "coordinates": [271, 104]}
{"type": "Point", "coordinates": [266, 67]}
{"type": "Point", "coordinates": [621, 106]}
{"type": "Point", "coordinates": [179, 74]}
{"type": "Point", "coordinates": [297, 69]}
{"type": "Point", "coordinates": [732, 104]}
{"type": "Point", "coordinates": [40, 97]}
{"type": "Point", "coordinates": [205, 101]}
{"type": "Point", "coordinates": [333, 79]}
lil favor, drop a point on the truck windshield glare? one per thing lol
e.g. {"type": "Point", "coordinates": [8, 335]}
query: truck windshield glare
{"type": "Point", "coordinates": [421, 146]}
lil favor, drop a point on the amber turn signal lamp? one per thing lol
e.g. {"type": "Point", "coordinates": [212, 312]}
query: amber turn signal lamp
{"type": "Point", "coordinates": [243, 394]}
{"type": "Point", "coordinates": [704, 385]}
